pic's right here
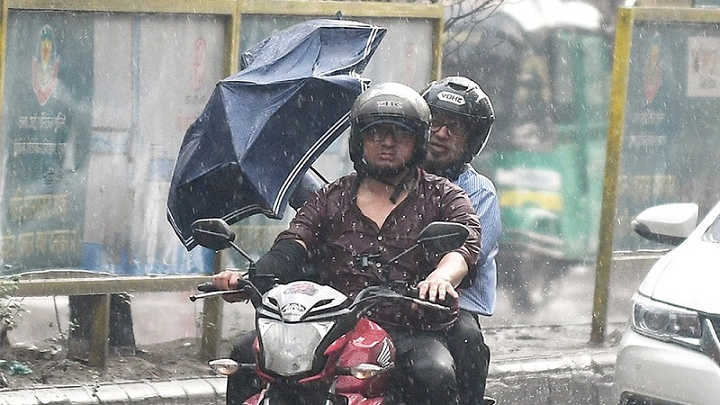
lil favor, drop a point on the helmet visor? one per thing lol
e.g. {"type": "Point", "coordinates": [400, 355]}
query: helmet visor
{"type": "Point", "coordinates": [403, 123]}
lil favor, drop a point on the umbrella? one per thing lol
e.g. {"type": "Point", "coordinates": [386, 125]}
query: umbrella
{"type": "Point", "coordinates": [263, 127]}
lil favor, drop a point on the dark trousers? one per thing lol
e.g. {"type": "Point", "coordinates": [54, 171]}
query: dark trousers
{"type": "Point", "coordinates": [472, 357]}
{"type": "Point", "coordinates": [425, 370]}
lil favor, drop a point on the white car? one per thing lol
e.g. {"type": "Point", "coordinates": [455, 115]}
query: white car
{"type": "Point", "coordinates": [670, 353]}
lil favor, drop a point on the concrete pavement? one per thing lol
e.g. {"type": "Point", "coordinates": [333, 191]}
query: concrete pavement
{"type": "Point", "coordinates": [530, 365]}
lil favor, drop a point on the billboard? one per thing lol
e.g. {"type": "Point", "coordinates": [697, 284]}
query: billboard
{"type": "Point", "coordinates": [661, 140]}
{"type": "Point", "coordinates": [95, 106]}
{"type": "Point", "coordinates": [47, 119]}
{"type": "Point", "coordinates": [665, 95]}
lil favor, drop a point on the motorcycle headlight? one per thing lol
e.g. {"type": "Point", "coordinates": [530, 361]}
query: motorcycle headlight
{"type": "Point", "coordinates": [665, 322]}
{"type": "Point", "coordinates": [289, 348]}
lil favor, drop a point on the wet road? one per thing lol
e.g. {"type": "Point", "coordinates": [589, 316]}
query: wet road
{"type": "Point", "coordinates": [569, 299]}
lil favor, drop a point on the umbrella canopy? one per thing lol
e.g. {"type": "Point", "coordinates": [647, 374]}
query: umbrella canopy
{"type": "Point", "coordinates": [263, 127]}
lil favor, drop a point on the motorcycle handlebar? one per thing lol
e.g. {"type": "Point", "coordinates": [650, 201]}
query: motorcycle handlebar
{"type": "Point", "coordinates": [245, 287]}
{"type": "Point", "coordinates": [414, 292]}
{"type": "Point", "coordinates": [206, 287]}
{"type": "Point", "coordinates": [208, 290]}
{"type": "Point", "coordinates": [370, 294]}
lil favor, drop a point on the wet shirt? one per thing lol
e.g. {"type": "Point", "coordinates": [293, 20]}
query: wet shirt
{"type": "Point", "coordinates": [481, 296]}
{"type": "Point", "coordinates": [349, 250]}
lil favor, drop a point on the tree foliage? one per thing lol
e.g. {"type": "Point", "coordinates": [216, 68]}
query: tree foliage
{"type": "Point", "coordinates": [462, 18]}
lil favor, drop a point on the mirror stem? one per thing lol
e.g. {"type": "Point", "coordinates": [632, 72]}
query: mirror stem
{"type": "Point", "coordinates": [243, 253]}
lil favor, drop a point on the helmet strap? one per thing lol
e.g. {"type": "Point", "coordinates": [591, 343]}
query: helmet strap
{"type": "Point", "coordinates": [404, 183]}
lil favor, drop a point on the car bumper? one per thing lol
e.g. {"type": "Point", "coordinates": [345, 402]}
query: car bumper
{"type": "Point", "coordinates": [655, 372]}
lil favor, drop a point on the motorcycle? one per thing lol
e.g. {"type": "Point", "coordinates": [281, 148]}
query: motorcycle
{"type": "Point", "coordinates": [314, 344]}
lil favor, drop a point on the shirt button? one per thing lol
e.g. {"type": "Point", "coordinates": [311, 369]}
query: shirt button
{"type": "Point", "coordinates": [380, 237]}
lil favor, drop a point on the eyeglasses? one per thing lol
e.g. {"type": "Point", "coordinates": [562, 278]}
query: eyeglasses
{"type": "Point", "coordinates": [455, 128]}
{"type": "Point", "coordinates": [380, 132]}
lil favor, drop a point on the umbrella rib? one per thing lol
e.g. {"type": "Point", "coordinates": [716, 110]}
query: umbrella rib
{"type": "Point", "coordinates": [306, 157]}
{"type": "Point", "coordinates": [367, 50]}
{"type": "Point", "coordinates": [242, 211]}
{"type": "Point", "coordinates": [369, 42]}
{"type": "Point", "coordinates": [176, 228]}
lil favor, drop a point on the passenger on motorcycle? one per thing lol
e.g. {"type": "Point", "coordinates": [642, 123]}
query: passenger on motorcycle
{"type": "Point", "coordinates": [462, 117]}
{"type": "Point", "coordinates": [370, 216]}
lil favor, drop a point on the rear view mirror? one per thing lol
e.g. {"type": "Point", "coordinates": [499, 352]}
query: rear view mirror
{"type": "Point", "coordinates": [669, 224]}
{"type": "Point", "coordinates": [213, 233]}
{"type": "Point", "coordinates": [440, 237]}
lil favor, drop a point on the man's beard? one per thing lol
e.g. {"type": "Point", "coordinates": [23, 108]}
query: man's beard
{"type": "Point", "coordinates": [385, 174]}
{"type": "Point", "coordinates": [434, 168]}
{"type": "Point", "coordinates": [451, 171]}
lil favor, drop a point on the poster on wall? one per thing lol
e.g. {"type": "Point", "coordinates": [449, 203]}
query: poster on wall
{"type": "Point", "coordinates": [650, 125]}
{"type": "Point", "coordinates": [669, 118]}
{"type": "Point", "coordinates": [47, 118]}
{"type": "Point", "coordinates": [704, 71]}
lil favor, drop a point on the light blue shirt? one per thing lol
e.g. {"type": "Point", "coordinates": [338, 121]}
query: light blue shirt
{"type": "Point", "coordinates": [480, 297]}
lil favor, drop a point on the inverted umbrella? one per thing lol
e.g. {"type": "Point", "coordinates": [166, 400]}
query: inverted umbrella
{"type": "Point", "coordinates": [264, 126]}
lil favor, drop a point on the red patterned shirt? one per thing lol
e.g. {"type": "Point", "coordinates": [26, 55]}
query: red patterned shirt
{"type": "Point", "coordinates": [338, 235]}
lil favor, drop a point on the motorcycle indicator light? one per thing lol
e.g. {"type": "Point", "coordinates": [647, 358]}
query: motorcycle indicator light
{"type": "Point", "coordinates": [224, 366]}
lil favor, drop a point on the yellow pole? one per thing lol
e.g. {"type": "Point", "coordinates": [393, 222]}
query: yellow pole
{"type": "Point", "coordinates": [212, 318]}
{"type": "Point", "coordinates": [618, 94]}
{"type": "Point", "coordinates": [438, 40]}
{"type": "Point", "coordinates": [3, 40]}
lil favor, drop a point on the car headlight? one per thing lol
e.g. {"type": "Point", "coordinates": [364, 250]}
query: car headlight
{"type": "Point", "coordinates": [289, 348]}
{"type": "Point", "coordinates": [665, 322]}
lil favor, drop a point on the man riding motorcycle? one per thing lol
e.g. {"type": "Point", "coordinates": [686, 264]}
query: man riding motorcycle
{"type": "Point", "coordinates": [369, 217]}
{"type": "Point", "coordinates": [462, 118]}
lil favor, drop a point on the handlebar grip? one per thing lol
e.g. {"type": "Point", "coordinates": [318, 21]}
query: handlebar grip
{"type": "Point", "coordinates": [207, 287]}
{"type": "Point", "coordinates": [412, 292]}
{"type": "Point", "coordinates": [449, 300]}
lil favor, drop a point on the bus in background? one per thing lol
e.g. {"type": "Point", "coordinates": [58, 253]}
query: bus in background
{"type": "Point", "coordinates": [545, 64]}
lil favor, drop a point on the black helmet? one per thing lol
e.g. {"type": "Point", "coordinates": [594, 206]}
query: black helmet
{"type": "Point", "coordinates": [393, 103]}
{"type": "Point", "coordinates": [460, 96]}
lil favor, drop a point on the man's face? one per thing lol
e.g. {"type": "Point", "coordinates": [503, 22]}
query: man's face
{"type": "Point", "coordinates": [448, 140]}
{"type": "Point", "coordinates": [387, 146]}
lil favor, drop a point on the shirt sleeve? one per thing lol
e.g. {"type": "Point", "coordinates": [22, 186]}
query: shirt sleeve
{"type": "Point", "coordinates": [457, 207]}
{"type": "Point", "coordinates": [484, 199]}
{"type": "Point", "coordinates": [305, 225]}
